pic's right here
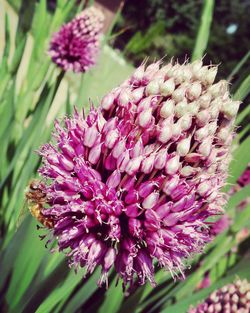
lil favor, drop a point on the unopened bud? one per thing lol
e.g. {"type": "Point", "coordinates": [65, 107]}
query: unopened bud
{"type": "Point", "coordinates": [230, 108]}
{"type": "Point", "coordinates": [183, 146]}
{"type": "Point", "coordinates": [185, 122]}
{"type": "Point", "coordinates": [151, 200]}
{"type": "Point", "coordinates": [211, 74]}
{"type": "Point", "coordinates": [179, 94]}
{"type": "Point", "coordinates": [167, 108]}
{"type": "Point", "coordinates": [194, 91]}
{"type": "Point", "coordinates": [172, 165]}
{"type": "Point", "coordinates": [181, 108]}
{"type": "Point", "coordinates": [167, 87]}
{"type": "Point", "coordinates": [107, 101]}
{"type": "Point", "coordinates": [145, 118]}
{"type": "Point", "coordinates": [153, 88]}
{"type": "Point", "coordinates": [205, 100]}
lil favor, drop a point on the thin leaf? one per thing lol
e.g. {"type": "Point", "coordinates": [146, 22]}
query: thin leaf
{"type": "Point", "coordinates": [204, 30]}
{"type": "Point", "coordinates": [113, 298]}
{"type": "Point", "coordinates": [243, 90]}
{"type": "Point", "coordinates": [239, 66]}
{"type": "Point", "coordinates": [237, 198]}
{"type": "Point", "coordinates": [83, 294]}
{"type": "Point", "coordinates": [60, 293]}
{"type": "Point", "coordinates": [182, 305]}
{"type": "Point", "coordinates": [243, 114]}
{"type": "Point", "coordinates": [240, 161]}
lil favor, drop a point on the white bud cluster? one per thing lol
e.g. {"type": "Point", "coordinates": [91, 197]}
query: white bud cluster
{"type": "Point", "coordinates": [187, 111]}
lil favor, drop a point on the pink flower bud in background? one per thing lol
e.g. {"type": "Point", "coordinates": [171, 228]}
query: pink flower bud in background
{"type": "Point", "coordinates": [233, 297]}
{"type": "Point", "coordinates": [76, 45]}
{"type": "Point", "coordinates": [137, 181]}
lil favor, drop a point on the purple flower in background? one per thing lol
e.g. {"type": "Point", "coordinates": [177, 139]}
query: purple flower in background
{"type": "Point", "coordinates": [220, 225]}
{"type": "Point", "coordinates": [244, 179]}
{"type": "Point", "coordinates": [135, 180]}
{"type": "Point", "coordinates": [232, 298]}
{"type": "Point", "coordinates": [76, 45]}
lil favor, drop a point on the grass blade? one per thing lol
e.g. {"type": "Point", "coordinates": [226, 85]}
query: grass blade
{"type": "Point", "coordinates": [204, 30]}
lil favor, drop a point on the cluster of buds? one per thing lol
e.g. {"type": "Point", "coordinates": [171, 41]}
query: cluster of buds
{"type": "Point", "coordinates": [232, 298]}
{"type": "Point", "coordinates": [76, 45]}
{"type": "Point", "coordinates": [136, 180]}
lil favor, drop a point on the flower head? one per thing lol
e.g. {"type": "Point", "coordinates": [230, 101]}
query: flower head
{"type": "Point", "coordinates": [231, 298]}
{"type": "Point", "coordinates": [76, 45]}
{"type": "Point", "coordinates": [135, 181]}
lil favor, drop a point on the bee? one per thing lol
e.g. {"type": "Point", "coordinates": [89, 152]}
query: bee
{"type": "Point", "coordinates": [36, 200]}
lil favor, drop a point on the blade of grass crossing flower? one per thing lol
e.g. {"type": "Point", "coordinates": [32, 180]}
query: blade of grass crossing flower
{"type": "Point", "coordinates": [131, 303]}
{"type": "Point", "coordinates": [183, 305]}
{"type": "Point", "coordinates": [41, 288]}
{"type": "Point", "coordinates": [243, 114]}
{"type": "Point", "coordinates": [239, 162]}
{"type": "Point", "coordinates": [237, 198]}
{"type": "Point", "coordinates": [113, 298]}
{"type": "Point", "coordinates": [185, 288]}
{"type": "Point", "coordinates": [208, 263]}
{"type": "Point", "coordinates": [27, 261]}
{"type": "Point", "coordinates": [60, 293]}
{"type": "Point", "coordinates": [242, 219]}
{"type": "Point", "coordinates": [243, 90]}
{"type": "Point", "coordinates": [77, 299]}
{"type": "Point", "coordinates": [204, 30]}
{"type": "Point", "coordinates": [239, 66]}
{"type": "Point", "coordinates": [243, 133]}
{"type": "Point", "coordinates": [8, 254]}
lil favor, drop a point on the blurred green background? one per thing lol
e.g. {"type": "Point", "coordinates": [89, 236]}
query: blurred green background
{"type": "Point", "coordinates": [33, 92]}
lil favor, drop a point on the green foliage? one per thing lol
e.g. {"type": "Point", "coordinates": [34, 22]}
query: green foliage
{"type": "Point", "coordinates": [33, 92]}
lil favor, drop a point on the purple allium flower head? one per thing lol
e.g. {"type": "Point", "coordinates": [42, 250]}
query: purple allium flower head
{"type": "Point", "coordinates": [133, 183]}
{"type": "Point", "coordinates": [76, 45]}
{"type": "Point", "coordinates": [232, 298]}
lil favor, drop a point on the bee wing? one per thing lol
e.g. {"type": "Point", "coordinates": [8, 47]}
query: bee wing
{"type": "Point", "coordinates": [23, 212]}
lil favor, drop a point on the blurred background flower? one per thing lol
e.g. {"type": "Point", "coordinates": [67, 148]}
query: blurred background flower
{"type": "Point", "coordinates": [76, 45]}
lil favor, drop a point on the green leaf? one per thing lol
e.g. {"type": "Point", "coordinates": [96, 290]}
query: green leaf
{"type": "Point", "coordinates": [60, 293]}
{"type": "Point", "coordinates": [182, 305]}
{"type": "Point", "coordinates": [243, 90]}
{"type": "Point", "coordinates": [113, 298]}
{"type": "Point", "coordinates": [26, 264]}
{"type": "Point", "coordinates": [16, 60]}
{"type": "Point", "coordinates": [239, 66]}
{"type": "Point", "coordinates": [83, 294]}
{"type": "Point", "coordinates": [37, 121]}
{"type": "Point", "coordinates": [243, 114]}
{"type": "Point", "coordinates": [204, 30]}
{"type": "Point", "coordinates": [7, 42]}
{"type": "Point", "coordinates": [239, 163]}
{"type": "Point", "coordinates": [242, 219]}
{"type": "Point", "coordinates": [132, 302]}
{"type": "Point", "coordinates": [237, 198]}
